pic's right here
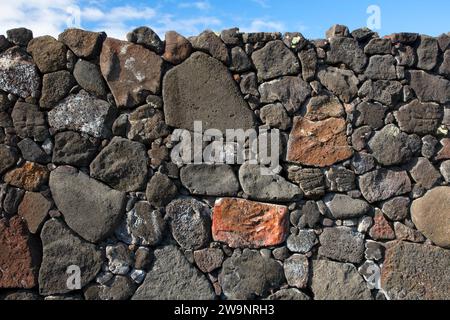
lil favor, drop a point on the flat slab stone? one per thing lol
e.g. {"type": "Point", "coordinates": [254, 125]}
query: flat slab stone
{"type": "Point", "coordinates": [202, 89]}
{"type": "Point", "coordinates": [98, 214]}
{"type": "Point", "coordinates": [420, 118]}
{"type": "Point", "coordinates": [384, 184]}
{"type": "Point", "coordinates": [131, 71]}
{"type": "Point", "coordinates": [416, 272]}
{"type": "Point", "coordinates": [318, 144]}
{"type": "Point", "coordinates": [243, 223]}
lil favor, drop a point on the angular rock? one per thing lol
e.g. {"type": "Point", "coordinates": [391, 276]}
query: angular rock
{"type": "Point", "coordinates": [146, 124]}
{"type": "Point", "coordinates": [29, 122]}
{"type": "Point", "coordinates": [84, 44]}
{"type": "Point", "coordinates": [381, 229]}
{"type": "Point", "coordinates": [350, 246]}
{"type": "Point", "coordinates": [275, 60]}
{"type": "Point", "coordinates": [424, 173]}
{"type": "Point", "coordinates": [397, 209]}
{"type": "Point", "coordinates": [318, 144]}
{"type": "Point", "coordinates": [383, 184]}
{"type": "Point", "coordinates": [98, 214]}
{"type": "Point", "coordinates": [292, 92]}
{"type": "Point", "coordinates": [363, 163]}
{"type": "Point", "coordinates": [363, 34]}
{"type": "Point", "coordinates": [231, 37]}
{"type": "Point", "coordinates": [347, 51]}
{"type": "Point", "coordinates": [160, 190]}
{"type": "Point", "coordinates": [403, 37]}
{"type": "Point", "coordinates": [386, 92]}
{"type": "Point", "coordinates": [420, 118]}
{"type": "Point", "coordinates": [427, 53]}
{"type": "Point", "coordinates": [12, 199]}
{"type": "Point", "coordinates": [173, 278]}
{"type": "Point", "coordinates": [390, 146]}
{"type": "Point", "coordinates": [344, 207]}
{"type": "Point", "coordinates": [119, 258]}
{"type": "Point", "coordinates": [342, 83]}
{"type": "Point", "coordinates": [445, 170]}
{"type": "Point", "coordinates": [337, 30]}
{"type": "Point", "coordinates": [341, 179]}
{"type": "Point", "coordinates": [296, 270]}
{"type": "Point", "coordinates": [431, 214]}
{"type": "Point", "coordinates": [34, 209]}
{"type": "Point", "coordinates": [243, 223]}
{"type": "Point", "coordinates": [248, 275]}
{"type": "Point", "coordinates": [405, 55]}
{"type": "Point", "coordinates": [239, 60]}
{"type": "Point", "coordinates": [84, 113]}
{"type": "Point", "coordinates": [308, 60]}
{"type": "Point", "coordinates": [310, 215]}
{"type": "Point", "coordinates": [119, 288]}
{"type": "Point", "coordinates": [209, 259]}
{"type": "Point", "coordinates": [55, 87]}
{"type": "Point", "coordinates": [191, 94]}
{"type": "Point", "coordinates": [74, 149]}
{"type": "Point", "coordinates": [48, 53]}
{"type": "Point", "coordinates": [18, 73]}
{"type": "Point", "coordinates": [381, 68]}
{"type": "Point", "coordinates": [428, 87]}
{"type": "Point", "coordinates": [63, 249]}
{"type": "Point", "coordinates": [405, 263]}
{"type": "Point", "coordinates": [177, 49]}
{"type": "Point", "coordinates": [89, 77]}
{"type": "Point", "coordinates": [131, 71]}
{"type": "Point", "coordinates": [8, 158]}
{"type": "Point", "coordinates": [147, 38]}
{"type": "Point", "coordinates": [323, 107]}
{"type": "Point", "coordinates": [444, 69]}
{"type": "Point", "coordinates": [302, 242]}
{"type": "Point", "coordinates": [311, 181]}
{"type": "Point", "coordinates": [19, 36]}
{"type": "Point", "coordinates": [360, 137]}
{"type": "Point", "coordinates": [295, 41]}
{"type": "Point", "coordinates": [145, 225]}
{"type": "Point", "coordinates": [263, 37]}
{"type": "Point", "coordinates": [210, 180]}
{"type": "Point", "coordinates": [444, 153]}
{"type": "Point", "coordinates": [113, 166]}
{"type": "Point", "coordinates": [19, 258]}
{"type": "Point", "coordinates": [32, 152]}
{"type": "Point", "coordinates": [30, 176]}
{"type": "Point", "coordinates": [249, 84]}
{"type": "Point", "coordinates": [378, 46]}
{"type": "Point", "coordinates": [190, 222]}
{"type": "Point", "coordinates": [405, 233]}
{"type": "Point", "coordinates": [210, 43]}
{"type": "Point", "coordinates": [337, 281]}
{"type": "Point", "coordinates": [260, 184]}
{"type": "Point", "coordinates": [290, 294]}
{"type": "Point", "coordinates": [275, 116]}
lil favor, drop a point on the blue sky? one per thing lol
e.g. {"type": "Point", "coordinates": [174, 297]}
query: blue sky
{"type": "Point", "coordinates": [190, 17]}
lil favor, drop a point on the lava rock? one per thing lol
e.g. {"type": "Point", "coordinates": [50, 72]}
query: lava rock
{"type": "Point", "coordinates": [383, 184]}
{"type": "Point", "coordinates": [55, 87]}
{"type": "Point", "coordinates": [342, 83]}
{"type": "Point", "coordinates": [29, 122]}
{"type": "Point", "coordinates": [74, 149]}
{"type": "Point", "coordinates": [147, 38]}
{"type": "Point", "coordinates": [48, 53]}
{"type": "Point", "coordinates": [344, 207]}
{"type": "Point", "coordinates": [89, 77]}
{"type": "Point", "coordinates": [160, 190]}
{"type": "Point", "coordinates": [85, 44]}
{"type": "Point", "coordinates": [350, 248]}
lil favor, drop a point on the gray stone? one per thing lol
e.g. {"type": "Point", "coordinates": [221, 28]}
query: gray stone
{"type": "Point", "coordinates": [296, 270]}
{"type": "Point", "coordinates": [420, 118]}
{"type": "Point", "coordinates": [160, 190]}
{"type": "Point", "coordinates": [146, 124]}
{"type": "Point", "coordinates": [31, 151]}
{"type": "Point", "coordinates": [337, 30]}
{"type": "Point", "coordinates": [378, 46]}
{"type": "Point", "coordinates": [341, 179]}
{"type": "Point", "coordinates": [444, 69]}
{"type": "Point", "coordinates": [172, 277]}
{"type": "Point", "coordinates": [210, 43]}
{"type": "Point", "coordinates": [386, 92]}
{"type": "Point", "coordinates": [311, 181]}
{"type": "Point", "coordinates": [29, 122]}
{"type": "Point", "coordinates": [390, 146]}
{"type": "Point", "coordinates": [445, 170]}
{"type": "Point", "coordinates": [231, 37]}
{"type": "Point", "coordinates": [345, 207]}
{"type": "Point", "coordinates": [308, 60]}
{"type": "Point", "coordinates": [191, 94]}
{"type": "Point", "coordinates": [249, 275]}
{"type": "Point", "coordinates": [444, 41]}
{"type": "Point", "coordinates": [303, 242]}
{"type": "Point", "coordinates": [370, 272]}
{"type": "Point", "coordinates": [405, 233]}
{"type": "Point", "coordinates": [249, 84]}
{"type": "Point", "coordinates": [362, 163]}
{"type": "Point", "coordinates": [337, 281]}
{"type": "Point", "coordinates": [396, 209]}
{"type": "Point", "coordinates": [145, 225]}
{"type": "Point", "coordinates": [119, 258]}
{"type": "Point", "coordinates": [371, 114]}
{"type": "Point", "coordinates": [18, 73]}
{"type": "Point", "coordinates": [210, 180]}
{"type": "Point", "coordinates": [429, 146]}
{"type": "Point", "coordinates": [275, 60]}
{"type": "Point", "coordinates": [89, 77]}
{"type": "Point", "coordinates": [405, 263]}
{"type": "Point", "coordinates": [12, 200]}
{"type": "Point", "coordinates": [363, 34]}
{"type": "Point", "coordinates": [383, 184]}
{"type": "Point", "coordinates": [263, 37]}
{"type": "Point", "coordinates": [275, 116]}
{"type": "Point", "coordinates": [62, 249]}
{"type": "Point", "coordinates": [342, 83]}
{"type": "Point", "coordinates": [427, 53]}
{"type": "Point", "coordinates": [55, 87]}
{"type": "Point", "coordinates": [260, 184]}
{"type": "Point", "coordinates": [113, 166]}
{"type": "Point", "coordinates": [310, 215]}
{"type": "Point", "coordinates": [119, 288]}
{"type": "Point", "coordinates": [405, 55]}
{"type": "Point", "coordinates": [190, 222]}
{"type": "Point", "coordinates": [19, 36]}
{"type": "Point", "coordinates": [84, 113]}
{"type": "Point", "coordinates": [239, 60]}
{"type": "Point", "coordinates": [143, 258]}
{"type": "Point", "coordinates": [98, 214]}
{"type": "Point", "coordinates": [322, 107]}
{"type": "Point", "coordinates": [148, 38]}
{"type": "Point", "coordinates": [360, 137]}
{"type": "Point", "coordinates": [74, 148]}
{"type": "Point", "coordinates": [428, 87]}
{"type": "Point", "coordinates": [8, 158]}
{"type": "Point", "coordinates": [381, 68]}
{"type": "Point", "coordinates": [346, 50]}
{"type": "Point", "coordinates": [424, 173]}
{"type": "Point", "coordinates": [292, 92]}
{"type": "Point", "coordinates": [374, 250]}
{"type": "Point", "coordinates": [49, 54]}
{"type": "Point", "coordinates": [209, 259]}
{"type": "Point", "coordinates": [350, 246]}
{"type": "Point", "coordinates": [295, 41]}
{"type": "Point", "coordinates": [290, 294]}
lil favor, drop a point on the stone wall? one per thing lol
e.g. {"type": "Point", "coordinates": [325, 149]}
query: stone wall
{"type": "Point", "coordinates": [359, 207]}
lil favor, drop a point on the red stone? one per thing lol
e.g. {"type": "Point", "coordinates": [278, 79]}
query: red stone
{"type": "Point", "coordinates": [31, 176]}
{"type": "Point", "coordinates": [19, 258]}
{"type": "Point", "coordinates": [243, 223]}
{"type": "Point", "coordinates": [381, 229]}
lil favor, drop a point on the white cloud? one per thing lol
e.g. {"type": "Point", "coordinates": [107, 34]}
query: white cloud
{"type": "Point", "coordinates": [258, 25]}
{"type": "Point", "coordinates": [262, 3]}
{"type": "Point", "coordinates": [200, 5]}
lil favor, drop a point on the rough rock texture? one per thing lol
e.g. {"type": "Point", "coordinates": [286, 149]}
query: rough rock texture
{"type": "Point", "coordinates": [31, 176]}
{"type": "Point", "coordinates": [198, 90]}
{"type": "Point", "coordinates": [85, 44]}
{"type": "Point", "coordinates": [344, 207]}
{"type": "Point", "coordinates": [48, 53]}
{"type": "Point", "coordinates": [100, 211]}
{"type": "Point", "coordinates": [420, 118]}
{"type": "Point", "coordinates": [177, 48]}
{"type": "Point", "coordinates": [29, 122]}
{"type": "Point", "coordinates": [351, 245]}
{"type": "Point", "coordinates": [34, 209]}
{"type": "Point", "coordinates": [243, 223]}
{"type": "Point", "coordinates": [384, 184]}
{"type": "Point", "coordinates": [416, 272]}
{"type": "Point", "coordinates": [173, 278]}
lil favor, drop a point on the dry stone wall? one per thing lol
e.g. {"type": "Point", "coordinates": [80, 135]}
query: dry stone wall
{"type": "Point", "coordinates": [93, 206]}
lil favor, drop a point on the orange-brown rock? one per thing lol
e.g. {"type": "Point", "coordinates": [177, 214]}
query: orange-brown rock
{"type": "Point", "coordinates": [243, 223]}
{"type": "Point", "coordinates": [34, 208]}
{"type": "Point", "coordinates": [381, 229]}
{"type": "Point", "coordinates": [131, 71]}
{"type": "Point", "coordinates": [19, 258]}
{"type": "Point", "coordinates": [178, 48]}
{"type": "Point", "coordinates": [318, 144]}
{"type": "Point", "coordinates": [31, 176]}
{"type": "Point", "coordinates": [444, 153]}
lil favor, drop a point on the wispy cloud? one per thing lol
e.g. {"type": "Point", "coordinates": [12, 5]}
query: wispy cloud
{"type": "Point", "coordinates": [262, 3]}
{"type": "Point", "coordinates": [200, 5]}
{"type": "Point", "coordinates": [258, 25]}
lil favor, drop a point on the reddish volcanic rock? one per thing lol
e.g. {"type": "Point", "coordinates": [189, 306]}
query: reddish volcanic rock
{"type": "Point", "coordinates": [18, 255]}
{"type": "Point", "coordinates": [319, 144]}
{"type": "Point", "coordinates": [178, 48]}
{"type": "Point", "coordinates": [243, 223]}
{"type": "Point", "coordinates": [381, 229]}
{"type": "Point", "coordinates": [31, 176]}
